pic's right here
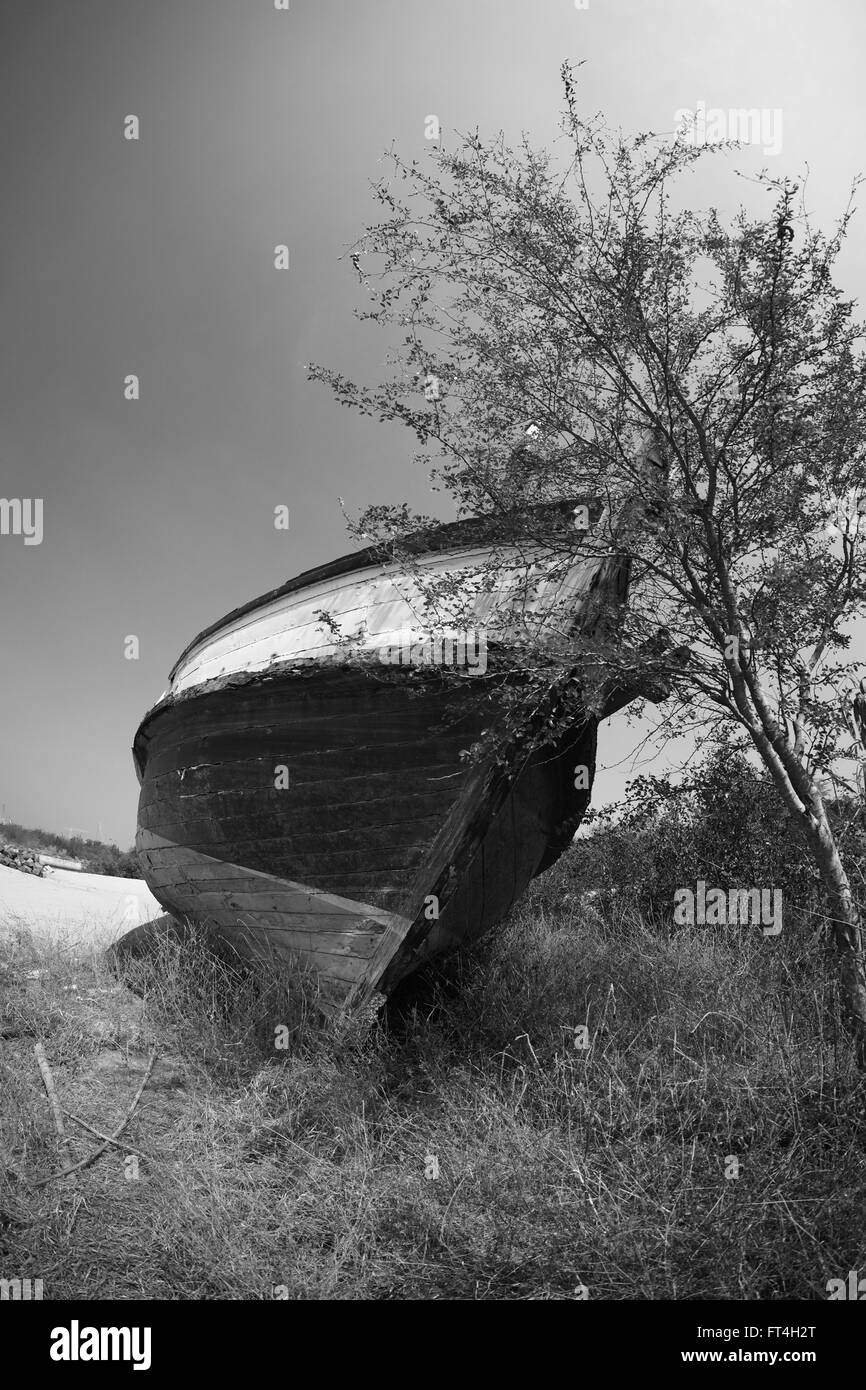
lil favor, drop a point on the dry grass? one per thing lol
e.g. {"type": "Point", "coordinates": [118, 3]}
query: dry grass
{"type": "Point", "coordinates": [306, 1173]}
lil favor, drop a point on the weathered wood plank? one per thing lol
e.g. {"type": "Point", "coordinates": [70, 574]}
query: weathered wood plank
{"type": "Point", "coordinates": [380, 812]}
{"type": "Point", "coordinates": [267, 945]}
{"type": "Point", "coordinates": [304, 897]}
{"type": "Point", "coordinates": [356, 796]}
{"type": "Point", "coordinates": [276, 814]}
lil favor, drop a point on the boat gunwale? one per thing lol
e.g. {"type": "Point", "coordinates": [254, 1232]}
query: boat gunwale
{"type": "Point", "coordinates": [450, 535]}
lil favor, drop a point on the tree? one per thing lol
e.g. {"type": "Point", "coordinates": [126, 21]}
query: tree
{"type": "Point", "coordinates": [565, 332]}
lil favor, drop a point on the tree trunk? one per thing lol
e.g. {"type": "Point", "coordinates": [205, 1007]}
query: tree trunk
{"type": "Point", "coordinates": [847, 931]}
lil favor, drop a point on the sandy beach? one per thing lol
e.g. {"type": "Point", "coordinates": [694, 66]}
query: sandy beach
{"type": "Point", "coordinates": [74, 907]}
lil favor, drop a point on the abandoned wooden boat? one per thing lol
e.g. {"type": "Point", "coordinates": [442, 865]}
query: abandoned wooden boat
{"type": "Point", "coordinates": [309, 809]}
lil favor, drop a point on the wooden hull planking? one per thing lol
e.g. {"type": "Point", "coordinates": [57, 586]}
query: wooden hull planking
{"type": "Point", "coordinates": [379, 814]}
{"type": "Point", "coordinates": [381, 820]}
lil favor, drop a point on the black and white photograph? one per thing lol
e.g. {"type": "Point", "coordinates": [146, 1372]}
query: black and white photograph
{"type": "Point", "coordinates": [432, 670]}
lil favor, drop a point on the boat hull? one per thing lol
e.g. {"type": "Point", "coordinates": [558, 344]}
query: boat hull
{"type": "Point", "coordinates": [323, 817]}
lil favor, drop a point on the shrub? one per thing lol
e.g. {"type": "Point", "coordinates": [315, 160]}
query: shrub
{"type": "Point", "coordinates": [97, 857]}
{"type": "Point", "coordinates": [723, 824]}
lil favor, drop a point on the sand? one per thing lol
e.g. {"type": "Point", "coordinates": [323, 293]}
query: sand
{"type": "Point", "coordinates": [75, 908]}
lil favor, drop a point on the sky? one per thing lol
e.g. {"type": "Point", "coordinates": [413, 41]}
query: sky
{"type": "Point", "coordinates": [155, 257]}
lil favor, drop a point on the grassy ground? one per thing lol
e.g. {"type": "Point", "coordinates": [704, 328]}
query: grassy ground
{"type": "Point", "coordinates": [468, 1147]}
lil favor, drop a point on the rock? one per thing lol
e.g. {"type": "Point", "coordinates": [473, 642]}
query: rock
{"type": "Point", "coordinates": [18, 857]}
